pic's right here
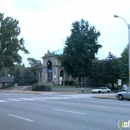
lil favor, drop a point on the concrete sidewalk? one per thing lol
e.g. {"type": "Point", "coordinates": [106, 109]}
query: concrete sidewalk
{"type": "Point", "coordinates": [105, 96]}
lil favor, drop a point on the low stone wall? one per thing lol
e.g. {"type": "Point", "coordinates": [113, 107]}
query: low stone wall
{"type": "Point", "coordinates": [78, 90]}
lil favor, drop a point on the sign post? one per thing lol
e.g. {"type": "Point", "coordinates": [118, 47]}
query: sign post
{"type": "Point", "coordinates": [119, 82]}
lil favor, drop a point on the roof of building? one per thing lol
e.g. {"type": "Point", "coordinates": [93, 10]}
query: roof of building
{"type": "Point", "coordinates": [6, 79]}
{"type": "Point", "coordinates": [58, 52]}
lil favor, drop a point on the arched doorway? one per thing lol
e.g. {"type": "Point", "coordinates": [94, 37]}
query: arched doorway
{"type": "Point", "coordinates": [62, 73]}
{"type": "Point", "coordinates": [49, 71]}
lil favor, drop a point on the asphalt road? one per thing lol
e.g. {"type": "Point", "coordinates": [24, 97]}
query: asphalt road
{"type": "Point", "coordinates": [60, 112]}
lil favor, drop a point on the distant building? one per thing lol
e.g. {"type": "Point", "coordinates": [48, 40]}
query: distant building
{"type": "Point", "coordinates": [51, 71]}
{"type": "Point", "coordinates": [5, 80]}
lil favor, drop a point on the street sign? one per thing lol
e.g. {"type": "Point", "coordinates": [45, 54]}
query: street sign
{"type": "Point", "coordinates": [49, 71]}
{"type": "Point", "coordinates": [119, 82]}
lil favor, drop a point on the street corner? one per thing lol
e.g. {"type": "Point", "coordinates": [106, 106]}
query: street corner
{"type": "Point", "coordinates": [105, 96]}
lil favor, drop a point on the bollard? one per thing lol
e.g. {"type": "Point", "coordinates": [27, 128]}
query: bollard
{"type": "Point", "coordinates": [82, 90]}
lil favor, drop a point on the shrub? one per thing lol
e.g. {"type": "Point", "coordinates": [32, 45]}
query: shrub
{"type": "Point", "coordinates": [69, 82]}
{"type": "Point", "coordinates": [8, 85]}
{"type": "Point", "coordinates": [36, 87]}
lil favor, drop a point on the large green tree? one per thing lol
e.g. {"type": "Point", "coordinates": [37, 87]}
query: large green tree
{"type": "Point", "coordinates": [10, 44]}
{"type": "Point", "coordinates": [80, 49]}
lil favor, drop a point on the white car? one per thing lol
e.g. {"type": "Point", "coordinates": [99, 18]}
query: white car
{"type": "Point", "coordinates": [101, 90]}
{"type": "Point", "coordinates": [123, 95]}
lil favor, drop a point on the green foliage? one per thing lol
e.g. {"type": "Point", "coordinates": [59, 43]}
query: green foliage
{"type": "Point", "coordinates": [106, 71]}
{"type": "Point", "coordinates": [21, 69]}
{"type": "Point", "coordinates": [80, 49]}
{"type": "Point", "coordinates": [98, 72]}
{"type": "Point", "coordinates": [34, 80]}
{"type": "Point", "coordinates": [37, 87]}
{"type": "Point", "coordinates": [18, 78]}
{"type": "Point", "coordinates": [124, 68]}
{"type": "Point", "coordinates": [69, 82]}
{"type": "Point", "coordinates": [34, 63]}
{"type": "Point", "coordinates": [111, 69]}
{"type": "Point", "coordinates": [10, 44]}
{"type": "Point", "coordinates": [29, 78]}
{"type": "Point", "coordinates": [17, 72]}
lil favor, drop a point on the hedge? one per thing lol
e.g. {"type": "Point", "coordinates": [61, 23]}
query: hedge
{"type": "Point", "coordinates": [37, 87]}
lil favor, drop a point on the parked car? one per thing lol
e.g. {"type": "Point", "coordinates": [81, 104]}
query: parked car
{"type": "Point", "coordinates": [123, 95]}
{"type": "Point", "coordinates": [101, 90]}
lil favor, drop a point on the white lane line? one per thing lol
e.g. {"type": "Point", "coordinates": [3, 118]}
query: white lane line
{"type": "Point", "coordinates": [69, 111]}
{"type": "Point", "coordinates": [5, 94]}
{"type": "Point", "coordinates": [10, 94]}
{"type": "Point", "coordinates": [51, 98]}
{"type": "Point", "coordinates": [13, 100]}
{"type": "Point", "coordinates": [3, 101]}
{"type": "Point", "coordinates": [38, 99]}
{"type": "Point", "coordinates": [20, 117]}
{"type": "Point", "coordinates": [29, 99]}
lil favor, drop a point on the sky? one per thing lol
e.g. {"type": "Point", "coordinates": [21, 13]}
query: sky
{"type": "Point", "coordinates": [45, 24]}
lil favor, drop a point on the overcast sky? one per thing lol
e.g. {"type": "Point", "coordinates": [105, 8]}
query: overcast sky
{"type": "Point", "coordinates": [45, 24]}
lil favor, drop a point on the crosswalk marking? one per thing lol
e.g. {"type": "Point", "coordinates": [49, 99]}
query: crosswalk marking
{"type": "Point", "coordinates": [13, 99]}
{"type": "Point", "coordinates": [39, 98]}
{"type": "Point", "coordinates": [36, 98]}
{"type": "Point", "coordinates": [3, 101]}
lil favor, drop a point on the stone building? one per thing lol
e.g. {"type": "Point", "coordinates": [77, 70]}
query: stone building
{"type": "Point", "coordinates": [51, 71]}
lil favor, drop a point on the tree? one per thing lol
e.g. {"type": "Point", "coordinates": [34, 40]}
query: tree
{"type": "Point", "coordinates": [17, 77]}
{"type": "Point", "coordinates": [34, 64]}
{"type": "Point", "coordinates": [80, 49]}
{"type": "Point", "coordinates": [21, 69]}
{"type": "Point", "coordinates": [124, 75]}
{"type": "Point", "coordinates": [111, 69]}
{"type": "Point", "coordinates": [10, 45]}
{"type": "Point", "coordinates": [98, 72]}
{"type": "Point", "coordinates": [12, 71]}
{"type": "Point", "coordinates": [29, 78]}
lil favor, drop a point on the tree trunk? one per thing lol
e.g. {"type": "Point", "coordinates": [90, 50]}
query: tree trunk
{"type": "Point", "coordinates": [112, 85]}
{"type": "Point", "coordinates": [79, 81]}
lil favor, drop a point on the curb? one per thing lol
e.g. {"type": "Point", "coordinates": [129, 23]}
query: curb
{"type": "Point", "coordinates": [38, 92]}
{"type": "Point", "coordinates": [105, 97]}
{"type": "Point", "coordinates": [25, 92]}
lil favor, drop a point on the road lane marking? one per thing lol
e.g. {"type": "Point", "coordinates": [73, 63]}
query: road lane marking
{"type": "Point", "coordinates": [35, 98]}
{"type": "Point", "coordinates": [29, 99]}
{"type": "Point", "coordinates": [9, 94]}
{"type": "Point", "coordinates": [13, 100]}
{"type": "Point", "coordinates": [38, 99]}
{"type": "Point", "coordinates": [20, 117]}
{"type": "Point", "coordinates": [69, 111]}
{"type": "Point", "coordinates": [90, 105]}
{"type": "Point", "coordinates": [3, 101]}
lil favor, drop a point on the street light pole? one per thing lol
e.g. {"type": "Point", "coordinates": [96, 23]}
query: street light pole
{"type": "Point", "coordinates": [129, 50]}
{"type": "Point", "coordinates": [128, 25]}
